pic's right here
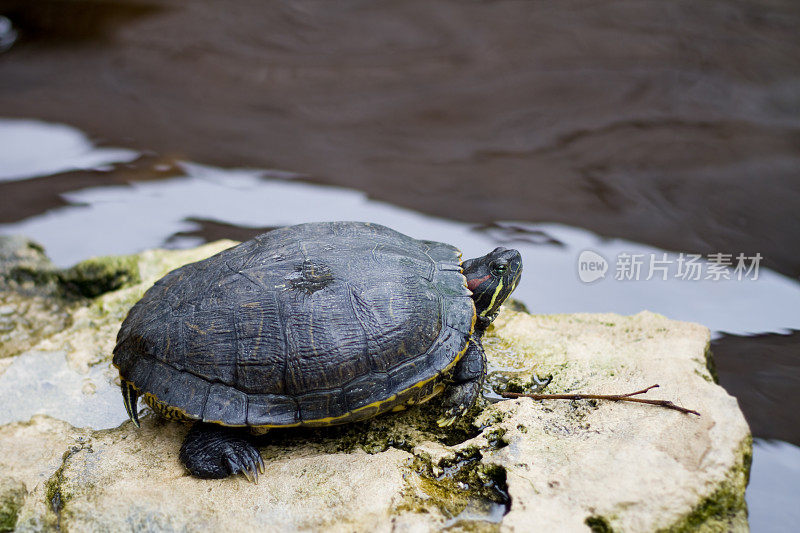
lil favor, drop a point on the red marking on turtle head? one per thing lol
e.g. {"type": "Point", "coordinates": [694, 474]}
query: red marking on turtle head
{"type": "Point", "coordinates": [474, 283]}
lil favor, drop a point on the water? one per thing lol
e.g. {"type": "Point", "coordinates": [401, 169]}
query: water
{"type": "Point", "coordinates": [774, 486]}
{"type": "Point", "coordinates": [669, 123]}
{"type": "Point", "coordinates": [145, 214]}
{"type": "Point", "coordinates": [177, 208]}
{"type": "Point", "coordinates": [34, 149]}
{"type": "Point", "coordinates": [616, 127]}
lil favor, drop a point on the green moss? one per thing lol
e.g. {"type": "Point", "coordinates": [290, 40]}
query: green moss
{"type": "Point", "coordinates": [461, 478]}
{"type": "Point", "coordinates": [704, 376]}
{"type": "Point", "coordinates": [24, 275]}
{"type": "Point", "coordinates": [598, 524]}
{"type": "Point", "coordinates": [711, 365]}
{"type": "Point", "coordinates": [12, 496]}
{"type": "Point", "coordinates": [454, 485]}
{"type": "Point", "coordinates": [449, 499]}
{"type": "Point", "coordinates": [496, 438]}
{"type": "Point", "coordinates": [725, 509]}
{"type": "Point", "coordinates": [402, 430]}
{"type": "Point", "coordinates": [53, 493]}
{"type": "Point", "coordinates": [99, 275]}
{"type": "Point", "coordinates": [368, 436]}
{"type": "Point", "coordinates": [501, 381]}
{"type": "Point", "coordinates": [116, 307]}
{"type": "Point", "coordinates": [87, 279]}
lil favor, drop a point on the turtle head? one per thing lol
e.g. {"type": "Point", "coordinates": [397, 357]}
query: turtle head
{"type": "Point", "coordinates": [492, 278]}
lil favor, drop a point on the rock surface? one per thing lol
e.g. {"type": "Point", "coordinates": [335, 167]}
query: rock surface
{"type": "Point", "coordinates": [72, 462]}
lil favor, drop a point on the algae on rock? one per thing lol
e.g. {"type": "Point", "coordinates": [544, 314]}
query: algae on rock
{"type": "Point", "coordinates": [12, 495]}
{"type": "Point", "coordinates": [30, 308]}
{"type": "Point", "coordinates": [99, 275]}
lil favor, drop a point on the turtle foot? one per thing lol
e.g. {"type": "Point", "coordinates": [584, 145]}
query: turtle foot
{"type": "Point", "coordinates": [466, 384]}
{"type": "Point", "coordinates": [215, 452]}
{"type": "Point", "coordinates": [458, 400]}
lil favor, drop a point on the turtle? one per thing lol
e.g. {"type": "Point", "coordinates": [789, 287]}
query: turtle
{"type": "Point", "coordinates": [316, 324]}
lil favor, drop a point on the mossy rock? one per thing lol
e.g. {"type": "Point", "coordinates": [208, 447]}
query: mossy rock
{"type": "Point", "coordinates": [99, 275]}
{"type": "Point", "coordinates": [12, 497]}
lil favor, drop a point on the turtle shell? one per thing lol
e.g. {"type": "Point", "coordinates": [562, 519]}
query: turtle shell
{"type": "Point", "coordinates": [316, 324]}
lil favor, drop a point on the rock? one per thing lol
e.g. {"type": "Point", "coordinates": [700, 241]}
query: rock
{"type": "Point", "coordinates": [617, 465]}
{"type": "Point", "coordinates": [29, 307]}
{"type": "Point", "coordinates": [72, 460]}
{"type": "Point", "coordinates": [12, 495]}
{"type": "Point", "coordinates": [37, 299]}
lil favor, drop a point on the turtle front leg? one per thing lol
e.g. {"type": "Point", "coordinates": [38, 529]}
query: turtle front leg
{"type": "Point", "coordinates": [213, 452]}
{"type": "Point", "coordinates": [467, 380]}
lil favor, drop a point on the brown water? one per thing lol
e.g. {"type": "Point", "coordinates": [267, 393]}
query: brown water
{"type": "Point", "coordinates": [671, 124]}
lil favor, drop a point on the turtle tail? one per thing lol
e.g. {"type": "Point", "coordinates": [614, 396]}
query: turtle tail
{"type": "Point", "coordinates": [131, 398]}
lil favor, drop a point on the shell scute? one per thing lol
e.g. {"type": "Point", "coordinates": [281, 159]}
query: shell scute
{"type": "Point", "coordinates": [210, 344]}
{"type": "Point", "coordinates": [271, 410]}
{"type": "Point", "coordinates": [367, 390]}
{"type": "Point", "coordinates": [261, 346]}
{"type": "Point", "coordinates": [225, 405]}
{"type": "Point", "coordinates": [321, 404]}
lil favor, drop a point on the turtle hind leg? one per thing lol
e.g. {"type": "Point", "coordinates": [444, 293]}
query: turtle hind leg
{"type": "Point", "coordinates": [467, 380]}
{"type": "Point", "coordinates": [214, 452]}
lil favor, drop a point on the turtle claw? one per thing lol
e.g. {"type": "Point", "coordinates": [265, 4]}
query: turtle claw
{"type": "Point", "coordinates": [257, 464]}
{"type": "Point", "coordinates": [446, 421]}
{"type": "Point", "coordinates": [244, 465]}
{"type": "Point", "coordinates": [131, 399]}
{"type": "Point", "coordinates": [251, 473]}
{"type": "Point", "coordinates": [250, 468]}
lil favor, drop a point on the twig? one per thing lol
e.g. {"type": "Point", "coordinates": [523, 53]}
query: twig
{"type": "Point", "coordinates": [611, 397]}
